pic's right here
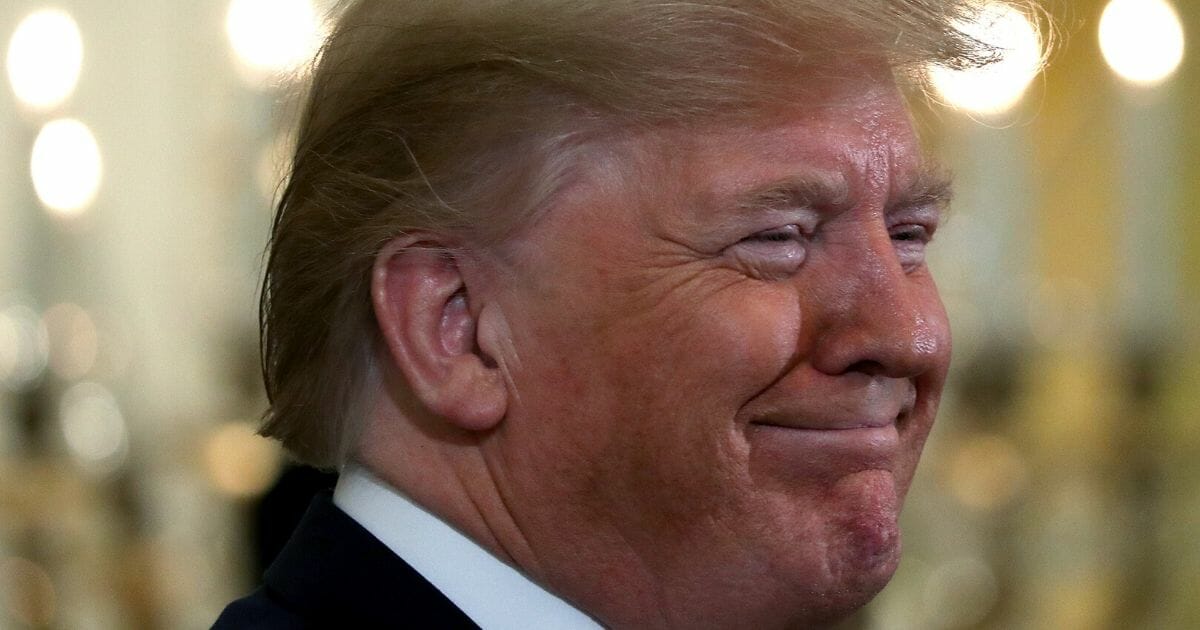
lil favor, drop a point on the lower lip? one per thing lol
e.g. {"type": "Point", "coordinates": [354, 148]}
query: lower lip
{"type": "Point", "coordinates": [817, 452]}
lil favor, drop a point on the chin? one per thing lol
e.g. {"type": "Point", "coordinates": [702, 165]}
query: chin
{"type": "Point", "coordinates": [835, 600]}
{"type": "Point", "coordinates": [858, 571]}
{"type": "Point", "coordinates": [864, 573]}
{"type": "Point", "coordinates": [863, 546]}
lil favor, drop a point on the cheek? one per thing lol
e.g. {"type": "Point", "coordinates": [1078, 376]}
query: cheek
{"type": "Point", "coordinates": [630, 400]}
{"type": "Point", "coordinates": [699, 355]}
{"type": "Point", "coordinates": [673, 390]}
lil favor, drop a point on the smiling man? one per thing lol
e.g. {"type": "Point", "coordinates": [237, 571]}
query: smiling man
{"type": "Point", "coordinates": [610, 313]}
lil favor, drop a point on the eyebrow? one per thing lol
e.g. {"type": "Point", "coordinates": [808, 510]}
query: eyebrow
{"type": "Point", "coordinates": [933, 185]}
{"type": "Point", "coordinates": [808, 190]}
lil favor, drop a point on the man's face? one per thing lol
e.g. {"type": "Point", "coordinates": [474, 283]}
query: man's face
{"type": "Point", "coordinates": [728, 354]}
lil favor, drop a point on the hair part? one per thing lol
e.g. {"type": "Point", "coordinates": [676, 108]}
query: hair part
{"type": "Point", "coordinates": [468, 117]}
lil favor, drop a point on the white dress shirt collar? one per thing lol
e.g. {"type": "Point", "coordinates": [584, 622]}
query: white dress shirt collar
{"type": "Point", "coordinates": [492, 593]}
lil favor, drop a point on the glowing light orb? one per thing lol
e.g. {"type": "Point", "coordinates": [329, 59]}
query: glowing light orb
{"type": "Point", "coordinates": [1142, 40]}
{"type": "Point", "coordinates": [27, 593]}
{"type": "Point", "coordinates": [271, 37]}
{"type": "Point", "coordinates": [24, 347]}
{"type": "Point", "coordinates": [66, 166]}
{"type": "Point", "coordinates": [239, 462]}
{"type": "Point", "coordinates": [995, 88]}
{"type": "Point", "coordinates": [45, 56]}
{"type": "Point", "coordinates": [93, 427]}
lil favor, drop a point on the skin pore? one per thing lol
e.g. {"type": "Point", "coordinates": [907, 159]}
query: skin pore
{"type": "Point", "coordinates": [701, 382]}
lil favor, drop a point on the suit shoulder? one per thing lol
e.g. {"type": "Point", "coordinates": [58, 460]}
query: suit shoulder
{"type": "Point", "coordinates": [257, 611]}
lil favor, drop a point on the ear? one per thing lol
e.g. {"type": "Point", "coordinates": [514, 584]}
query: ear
{"type": "Point", "coordinates": [421, 305]}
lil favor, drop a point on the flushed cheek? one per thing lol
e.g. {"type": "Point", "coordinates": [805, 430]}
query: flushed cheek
{"type": "Point", "coordinates": [689, 381]}
{"type": "Point", "coordinates": [726, 347]}
{"type": "Point", "coordinates": [657, 397]}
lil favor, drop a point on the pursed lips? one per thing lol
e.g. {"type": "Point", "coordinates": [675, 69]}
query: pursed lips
{"type": "Point", "coordinates": [876, 414]}
{"type": "Point", "coordinates": [805, 447]}
{"type": "Point", "coordinates": [831, 424]}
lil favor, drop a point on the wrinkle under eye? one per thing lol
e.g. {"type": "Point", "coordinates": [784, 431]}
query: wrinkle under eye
{"type": "Point", "coordinates": [910, 242]}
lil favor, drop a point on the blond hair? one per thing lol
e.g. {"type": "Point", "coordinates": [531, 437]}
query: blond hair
{"type": "Point", "coordinates": [468, 116]}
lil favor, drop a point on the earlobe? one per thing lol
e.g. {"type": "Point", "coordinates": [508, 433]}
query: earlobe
{"type": "Point", "coordinates": [422, 306]}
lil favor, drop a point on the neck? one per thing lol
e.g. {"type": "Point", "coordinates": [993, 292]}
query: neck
{"type": "Point", "coordinates": [443, 469]}
{"type": "Point", "coordinates": [447, 471]}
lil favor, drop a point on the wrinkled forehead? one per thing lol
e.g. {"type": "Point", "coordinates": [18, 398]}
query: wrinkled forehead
{"type": "Point", "coordinates": [852, 130]}
{"type": "Point", "coordinates": [841, 128]}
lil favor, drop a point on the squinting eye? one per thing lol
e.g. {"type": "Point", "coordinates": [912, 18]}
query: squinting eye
{"type": "Point", "coordinates": [910, 241]}
{"type": "Point", "coordinates": [771, 254]}
{"type": "Point", "coordinates": [912, 233]}
{"type": "Point", "coordinates": [778, 235]}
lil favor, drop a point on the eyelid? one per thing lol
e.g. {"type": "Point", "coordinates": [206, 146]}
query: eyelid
{"type": "Point", "coordinates": [770, 254]}
{"type": "Point", "coordinates": [911, 241]}
{"type": "Point", "coordinates": [790, 230]}
{"type": "Point", "coordinates": [923, 233]}
{"type": "Point", "coordinates": [927, 216]}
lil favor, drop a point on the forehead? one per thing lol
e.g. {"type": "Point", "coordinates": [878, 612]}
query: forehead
{"type": "Point", "coordinates": [845, 133]}
{"type": "Point", "coordinates": [850, 136]}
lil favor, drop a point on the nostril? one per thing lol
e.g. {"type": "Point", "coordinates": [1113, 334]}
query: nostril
{"type": "Point", "coordinates": [867, 366]}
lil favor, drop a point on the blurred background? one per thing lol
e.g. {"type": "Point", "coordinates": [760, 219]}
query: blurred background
{"type": "Point", "coordinates": [141, 144]}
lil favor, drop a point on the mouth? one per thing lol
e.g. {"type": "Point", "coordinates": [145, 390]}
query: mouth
{"type": "Point", "coordinates": [815, 422]}
{"type": "Point", "coordinates": [832, 448]}
{"type": "Point", "coordinates": [876, 434]}
{"type": "Point", "coordinates": [849, 424]}
{"type": "Point", "coordinates": [859, 414]}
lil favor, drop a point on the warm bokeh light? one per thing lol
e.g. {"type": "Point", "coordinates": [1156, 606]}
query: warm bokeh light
{"type": "Point", "coordinates": [93, 427]}
{"type": "Point", "coordinates": [23, 347]}
{"type": "Point", "coordinates": [1063, 312]}
{"type": "Point", "coordinates": [996, 88]}
{"type": "Point", "coordinates": [45, 56]}
{"type": "Point", "coordinates": [1142, 40]}
{"type": "Point", "coordinates": [986, 472]}
{"type": "Point", "coordinates": [271, 37]}
{"type": "Point", "coordinates": [73, 340]}
{"type": "Point", "coordinates": [239, 462]}
{"type": "Point", "coordinates": [27, 594]}
{"type": "Point", "coordinates": [959, 593]}
{"type": "Point", "coordinates": [66, 166]}
{"type": "Point", "coordinates": [10, 346]}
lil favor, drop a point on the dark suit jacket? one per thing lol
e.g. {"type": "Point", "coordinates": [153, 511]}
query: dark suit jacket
{"type": "Point", "coordinates": [335, 574]}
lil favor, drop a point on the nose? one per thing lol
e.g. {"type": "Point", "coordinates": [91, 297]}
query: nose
{"type": "Point", "coordinates": [872, 316]}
